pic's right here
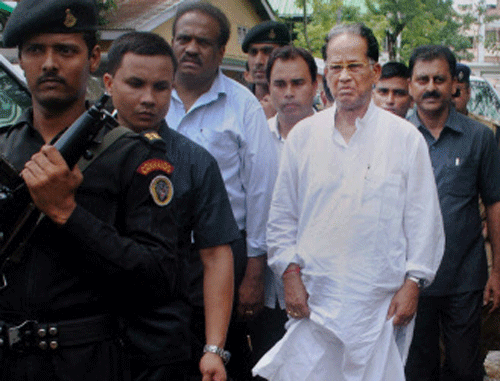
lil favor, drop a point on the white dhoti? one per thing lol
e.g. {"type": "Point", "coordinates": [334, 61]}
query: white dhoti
{"type": "Point", "coordinates": [311, 352]}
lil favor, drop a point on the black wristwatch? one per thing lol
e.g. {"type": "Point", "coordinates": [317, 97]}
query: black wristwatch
{"type": "Point", "coordinates": [224, 355]}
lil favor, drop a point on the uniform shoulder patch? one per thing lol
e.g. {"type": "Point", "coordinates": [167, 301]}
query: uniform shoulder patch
{"type": "Point", "coordinates": [152, 136]}
{"type": "Point", "coordinates": [152, 165]}
{"type": "Point", "coordinates": [162, 190]}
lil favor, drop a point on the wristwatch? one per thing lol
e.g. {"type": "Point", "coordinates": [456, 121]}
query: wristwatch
{"type": "Point", "coordinates": [419, 281]}
{"type": "Point", "coordinates": [225, 355]}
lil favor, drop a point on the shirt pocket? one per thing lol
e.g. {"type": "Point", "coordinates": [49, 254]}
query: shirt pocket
{"type": "Point", "coordinates": [381, 195]}
{"type": "Point", "coordinates": [460, 180]}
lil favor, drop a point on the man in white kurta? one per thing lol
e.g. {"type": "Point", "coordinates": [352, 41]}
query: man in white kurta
{"type": "Point", "coordinates": [355, 222]}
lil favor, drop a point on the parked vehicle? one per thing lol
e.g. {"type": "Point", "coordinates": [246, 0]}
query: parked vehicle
{"type": "Point", "coordinates": [14, 94]}
{"type": "Point", "coordinates": [484, 100]}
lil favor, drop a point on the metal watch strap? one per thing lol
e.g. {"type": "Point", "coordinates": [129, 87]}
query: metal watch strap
{"type": "Point", "coordinates": [224, 355]}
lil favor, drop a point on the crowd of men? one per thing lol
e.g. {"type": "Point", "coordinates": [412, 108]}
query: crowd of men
{"type": "Point", "coordinates": [226, 233]}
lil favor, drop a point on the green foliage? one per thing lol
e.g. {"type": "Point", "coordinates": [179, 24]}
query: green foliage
{"type": "Point", "coordinates": [324, 15]}
{"type": "Point", "coordinates": [105, 6]}
{"type": "Point", "coordinates": [399, 25]}
{"type": "Point", "coordinates": [411, 23]}
{"type": "Point", "coordinates": [474, 16]}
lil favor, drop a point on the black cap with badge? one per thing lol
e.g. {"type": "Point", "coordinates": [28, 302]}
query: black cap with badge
{"type": "Point", "coordinates": [268, 31]}
{"type": "Point", "coordinates": [31, 17]}
{"type": "Point", "coordinates": [463, 73]}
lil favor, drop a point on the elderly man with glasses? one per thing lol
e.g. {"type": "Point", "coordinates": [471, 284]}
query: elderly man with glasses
{"type": "Point", "coordinates": [354, 229]}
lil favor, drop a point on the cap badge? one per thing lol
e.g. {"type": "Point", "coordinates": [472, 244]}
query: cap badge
{"type": "Point", "coordinates": [272, 34]}
{"type": "Point", "coordinates": [70, 20]}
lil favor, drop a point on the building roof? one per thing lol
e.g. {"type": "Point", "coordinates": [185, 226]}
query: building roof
{"type": "Point", "coordinates": [140, 14]}
{"type": "Point", "coordinates": [145, 15]}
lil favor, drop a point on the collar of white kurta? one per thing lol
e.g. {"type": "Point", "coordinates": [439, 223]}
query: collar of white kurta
{"type": "Point", "coordinates": [362, 123]}
{"type": "Point", "coordinates": [273, 124]}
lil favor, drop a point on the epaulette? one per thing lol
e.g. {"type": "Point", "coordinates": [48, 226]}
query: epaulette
{"type": "Point", "coordinates": [154, 139]}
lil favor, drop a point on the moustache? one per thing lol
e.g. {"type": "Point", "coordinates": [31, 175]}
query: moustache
{"type": "Point", "coordinates": [431, 94]}
{"type": "Point", "coordinates": [50, 77]}
{"type": "Point", "coordinates": [190, 58]}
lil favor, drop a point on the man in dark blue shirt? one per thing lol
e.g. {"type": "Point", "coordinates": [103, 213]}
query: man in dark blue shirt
{"type": "Point", "coordinates": [139, 79]}
{"type": "Point", "coordinates": [466, 165]}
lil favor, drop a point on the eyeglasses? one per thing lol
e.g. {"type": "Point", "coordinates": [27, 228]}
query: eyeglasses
{"type": "Point", "coordinates": [352, 67]}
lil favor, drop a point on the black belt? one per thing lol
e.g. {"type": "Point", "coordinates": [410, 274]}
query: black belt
{"type": "Point", "coordinates": [32, 335]}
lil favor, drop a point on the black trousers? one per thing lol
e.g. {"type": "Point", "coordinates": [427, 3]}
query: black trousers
{"type": "Point", "coordinates": [251, 339]}
{"type": "Point", "coordinates": [101, 361]}
{"type": "Point", "coordinates": [266, 330]}
{"type": "Point", "coordinates": [170, 372]}
{"type": "Point", "coordinates": [458, 319]}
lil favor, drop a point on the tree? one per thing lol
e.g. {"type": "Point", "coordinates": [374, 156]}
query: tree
{"type": "Point", "coordinates": [105, 6]}
{"type": "Point", "coordinates": [399, 25]}
{"type": "Point", "coordinates": [475, 16]}
{"type": "Point", "coordinates": [406, 24]}
{"type": "Point", "coordinates": [316, 25]}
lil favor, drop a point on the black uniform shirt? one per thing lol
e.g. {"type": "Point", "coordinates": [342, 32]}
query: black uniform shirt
{"type": "Point", "coordinates": [466, 164]}
{"type": "Point", "coordinates": [205, 219]}
{"type": "Point", "coordinates": [117, 249]}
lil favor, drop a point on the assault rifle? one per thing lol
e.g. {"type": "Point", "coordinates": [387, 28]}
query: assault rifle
{"type": "Point", "coordinates": [18, 215]}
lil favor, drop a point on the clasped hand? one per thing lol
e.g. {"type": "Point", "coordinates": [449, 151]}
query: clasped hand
{"type": "Point", "coordinates": [52, 185]}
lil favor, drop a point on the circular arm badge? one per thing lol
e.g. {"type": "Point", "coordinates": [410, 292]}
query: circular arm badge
{"type": "Point", "coordinates": [161, 190]}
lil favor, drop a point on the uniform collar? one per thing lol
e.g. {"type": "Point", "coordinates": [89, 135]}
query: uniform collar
{"type": "Point", "coordinates": [452, 123]}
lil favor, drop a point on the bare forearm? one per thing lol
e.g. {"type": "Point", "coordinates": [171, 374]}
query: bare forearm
{"type": "Point", "coordinates": [251, 292]}
{"type": "Point", "coordinates": [493, 223]}
{"type": "Point", "coordinates": [218, 291]}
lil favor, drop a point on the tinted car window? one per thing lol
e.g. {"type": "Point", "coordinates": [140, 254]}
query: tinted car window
{"type": "Point", "coordinates": [484, 100]}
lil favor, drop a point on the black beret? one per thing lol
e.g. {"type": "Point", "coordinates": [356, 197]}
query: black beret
{"type": "Point", "coordinates": [31, 17]}
{"type": "Point", "coordinates": [463, 73]}
{"type": "Point", "coordinates": [268, 31]}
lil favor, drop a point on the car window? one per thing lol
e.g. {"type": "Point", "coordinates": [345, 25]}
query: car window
{"type": "Point", "coordinates": [14, 98]}
{"type": "Point", "coordinates": [484, 100]}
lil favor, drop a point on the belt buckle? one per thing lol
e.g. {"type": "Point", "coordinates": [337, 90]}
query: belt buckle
{"type": "Point", "coordinates": [22, 337]}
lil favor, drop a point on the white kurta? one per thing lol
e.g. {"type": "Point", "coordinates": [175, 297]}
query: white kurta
{"type": "Point", "coordinates": [357, 218]}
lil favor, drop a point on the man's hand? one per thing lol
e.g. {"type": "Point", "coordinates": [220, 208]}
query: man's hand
{"type": "Point", "coordinates": [251, 292]}
{"type": "Point", "coordinates": [295, 294]}
{"type": "Point", "coordinates": [212, 367]}
{"type": "Point", "coordinates": [52, 184]}
{"type": "Point", "coordinates": [492, 291]}
{"type": "Point", "coordinates": [404, 304]}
